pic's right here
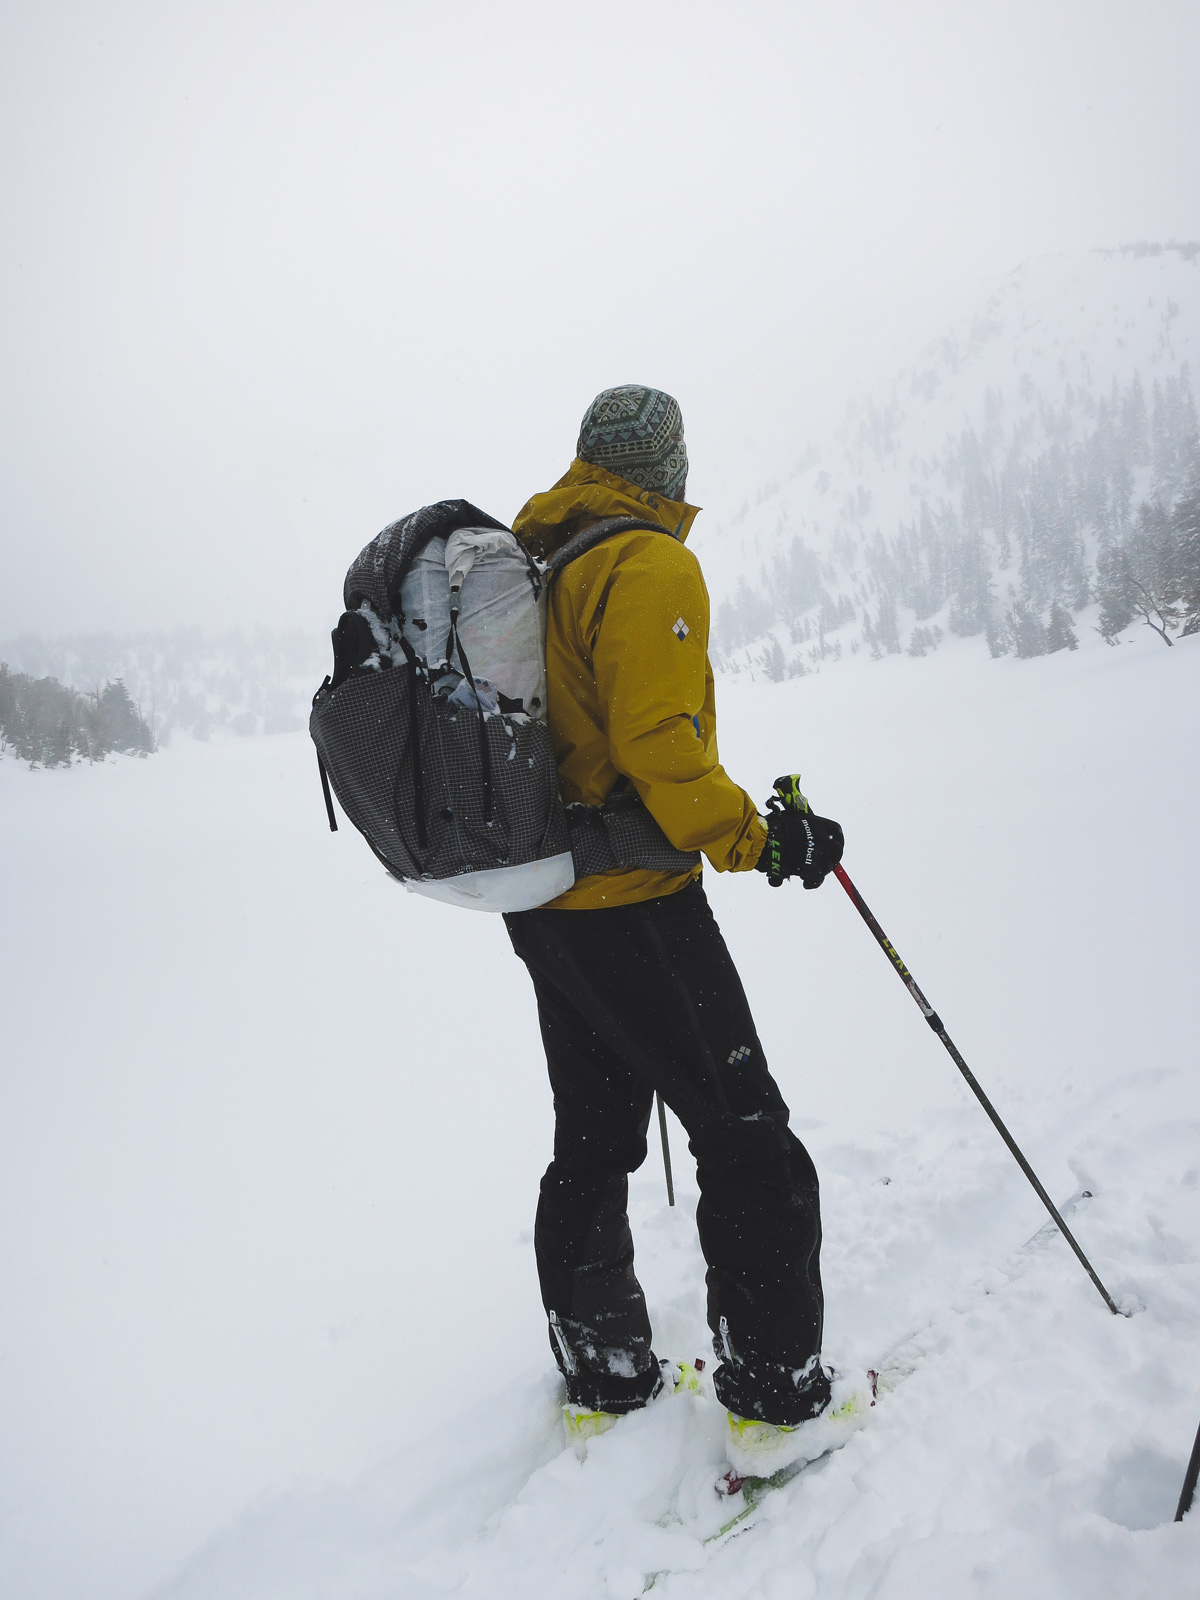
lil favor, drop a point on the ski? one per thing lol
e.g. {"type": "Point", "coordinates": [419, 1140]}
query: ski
{"type": "Point", "coordinates": [752, 1491]}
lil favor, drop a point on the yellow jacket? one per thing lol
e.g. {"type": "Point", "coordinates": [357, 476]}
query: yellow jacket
{"type": "Point", "coordinates": [629, 682]}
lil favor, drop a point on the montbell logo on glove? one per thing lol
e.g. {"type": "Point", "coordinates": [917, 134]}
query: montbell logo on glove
{"type": "Point", "coordinates": [799, 843]}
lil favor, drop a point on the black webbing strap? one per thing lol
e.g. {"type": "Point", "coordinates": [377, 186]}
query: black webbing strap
{"type": "Point", "coordinates": [485, 755]}
{"type": "Point", "coordinates": [621, 834]}
{"type": "Point", "coordinates": [329, 811]}
{"type": "Point", "coordinates": [333, 827]}
{"type": "Point", "coordinates": [414, 744]}
{"type": "Point", "coordinates": [588, 538]}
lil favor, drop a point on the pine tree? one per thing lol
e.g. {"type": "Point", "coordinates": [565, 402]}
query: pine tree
{"type": "Point", "coordinates": [1027, 630]}
{"type": "Point", "coordinates": [996, 633]}
{"type": "Point", "coordinates": [972, 599]}
{"type": "Point", "coordinates": [1173, 435]}
{"type": "Point", "coordinates": [1133, 423]}
{"type": "Point", "coordinates": [1186, 523]}
{"type": "Point", "coordinates": [124, 727]}
{"type": "Point", "coordinates": [1060, 635]}
{"type": "Point", "coordinates": [8, 706]}
{"type": "Point", "coordinates": [1150, 559]}
{"type": "Point", "coordinates": [1113, 590]}
{"type": "Point", "coordinates": [46, 722]}
{"type": "Point", "coordinates": [924, 641]}
{"type": "Point", "coordinates": [774, 662]}
{"type": "Point", "coordinates": [887, 628]}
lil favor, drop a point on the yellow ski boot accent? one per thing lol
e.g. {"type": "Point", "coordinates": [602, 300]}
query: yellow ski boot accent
{"type": "Point", "coordinates": [857, 1403]}
{"type": "Point", "coordinates": [762, 1449]}
{"type": "Point", "coordinates": [755, 1434]}
{"type": "Point", "coordinates": [688, 1379]}
{"type": "Point", "coordinates": [580, 1424]}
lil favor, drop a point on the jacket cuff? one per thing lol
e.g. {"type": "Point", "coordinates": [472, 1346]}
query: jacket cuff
{"type": "Point", "coordinates": [756, 842]}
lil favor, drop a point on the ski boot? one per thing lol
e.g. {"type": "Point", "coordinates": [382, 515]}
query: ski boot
{"type": "Point", "coordinates": [581, 1424]}
{"type": "Point", "coordinates": [759, 1450]}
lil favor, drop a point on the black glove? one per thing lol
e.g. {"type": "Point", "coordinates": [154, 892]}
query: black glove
{"type": "Point", "coordinates": [799, 844]}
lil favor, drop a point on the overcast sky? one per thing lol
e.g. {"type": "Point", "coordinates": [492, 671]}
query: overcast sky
{"type": "Point", "coordinates": [274, 274]}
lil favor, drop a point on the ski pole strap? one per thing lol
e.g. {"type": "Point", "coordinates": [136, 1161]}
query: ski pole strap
{"type": "Point", "coordinates": [786, 796]}
{"type": "Point", "coordinates": [935, 1022]}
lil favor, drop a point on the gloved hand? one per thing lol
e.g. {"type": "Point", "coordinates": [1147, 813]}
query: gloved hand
{"type": "Point", "coordinates": [799, 844]}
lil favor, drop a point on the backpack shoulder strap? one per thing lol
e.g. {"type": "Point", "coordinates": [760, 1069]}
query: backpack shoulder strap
{"type": "Point", "coordinates": [588, 538]}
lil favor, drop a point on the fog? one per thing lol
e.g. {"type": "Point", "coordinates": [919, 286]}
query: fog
{"type": "Point", "coordinates": [275, 274]}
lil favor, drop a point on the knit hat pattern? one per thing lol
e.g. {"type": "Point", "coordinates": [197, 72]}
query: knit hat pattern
{"type": "Point", "coordinates": [636, 433]}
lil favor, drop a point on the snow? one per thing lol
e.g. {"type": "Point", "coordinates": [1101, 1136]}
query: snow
{"type": "Point", "coordinates": [271, 1135]}
{"type": "Point", "coordinates": [229, 684]}
{"type": "Point", "coordinates": [1051, 333]}
{"type": "Point", "coordinates": [1024, 372]}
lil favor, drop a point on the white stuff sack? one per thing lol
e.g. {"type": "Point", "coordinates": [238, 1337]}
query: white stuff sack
{"type": "Point", "coordinates": [502, 612]}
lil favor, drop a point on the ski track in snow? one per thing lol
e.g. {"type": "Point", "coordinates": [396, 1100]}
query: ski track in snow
{"type": "Point", "coordinates": [267, 1230]}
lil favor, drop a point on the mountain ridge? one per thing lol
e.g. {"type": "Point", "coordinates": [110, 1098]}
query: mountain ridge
{"type": "Point", "coordinates": [979, 492]}
{"type": "Point", "coordinates": [991, 489]}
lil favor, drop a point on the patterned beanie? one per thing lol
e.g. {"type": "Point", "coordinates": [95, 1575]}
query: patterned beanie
{"type": "Point", "coordinates": [638, 434]}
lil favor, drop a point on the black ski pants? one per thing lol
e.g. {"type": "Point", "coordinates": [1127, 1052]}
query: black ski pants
{"type": "Point", "coordinates": [634, 999]}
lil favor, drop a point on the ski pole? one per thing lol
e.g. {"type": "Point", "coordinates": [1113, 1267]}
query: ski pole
{"type": "Point", "coordinates": [662, 1128]}
{"type": "Point", "coordinates": [1189, 1481]}
{"type": "Point", "coordinates": [935, 1022]}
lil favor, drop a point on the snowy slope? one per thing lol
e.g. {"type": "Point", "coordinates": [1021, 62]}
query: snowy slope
{"type": "Point", "coordinates": [234, 682]}
{"type": "Point", "coordinates": [1065, 397]}
{"type": "Point", "coordinates": [272, 1132]}
{"type": "Point", "coordinates": [1020, 413]}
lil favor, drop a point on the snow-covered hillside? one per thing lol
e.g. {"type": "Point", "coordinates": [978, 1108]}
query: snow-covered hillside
{"type": "Point", "coordinates": [187, 681]}
{"type": "Point", "coordinates": [271, 1131]}
{"type": "Point", "coordinates": [975, 492]}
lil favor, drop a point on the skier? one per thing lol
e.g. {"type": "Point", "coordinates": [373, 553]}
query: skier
{"type": "Point", "coordinates": [636, 991]}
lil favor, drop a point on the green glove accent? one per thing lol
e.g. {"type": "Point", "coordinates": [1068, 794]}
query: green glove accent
{"type": "Point", "coordinates": [799, 843]}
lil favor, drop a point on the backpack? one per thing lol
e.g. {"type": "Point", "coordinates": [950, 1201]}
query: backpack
{"type": "Point", "coordinates": [431, 729]}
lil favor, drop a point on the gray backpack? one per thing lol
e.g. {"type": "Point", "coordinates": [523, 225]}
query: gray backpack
{"type": "Point", "coordinates": [432, 730]}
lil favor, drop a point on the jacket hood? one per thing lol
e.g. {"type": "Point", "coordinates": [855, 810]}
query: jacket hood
{"type": "Point", "coordinates": [586, 493]}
